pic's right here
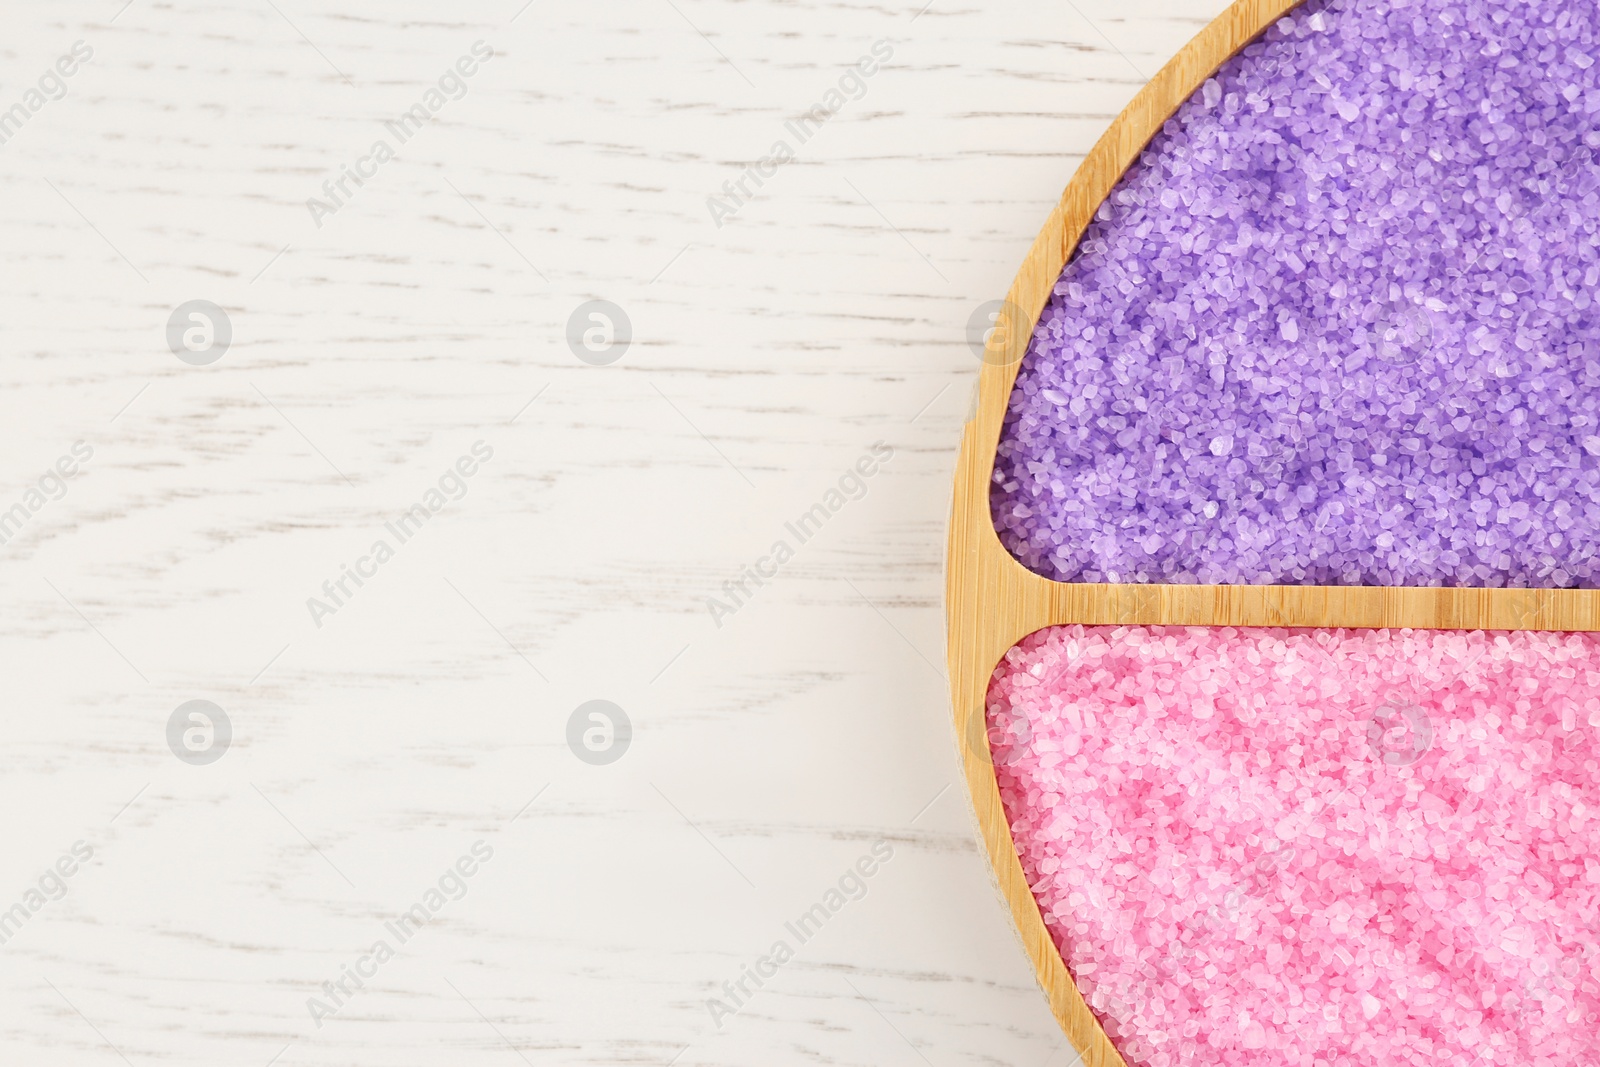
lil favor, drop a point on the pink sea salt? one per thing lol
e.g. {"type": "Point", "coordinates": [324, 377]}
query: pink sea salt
{"type": "Point", "coordinates": [1314, 848]}
{"type": "Point", "coordinates": [1337, 325]}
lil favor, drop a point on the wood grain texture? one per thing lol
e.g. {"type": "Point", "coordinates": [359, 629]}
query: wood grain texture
{"type": "Point", "coordinates": [992, 601]}
{"type": "Point", "coordinates": [767, 356]}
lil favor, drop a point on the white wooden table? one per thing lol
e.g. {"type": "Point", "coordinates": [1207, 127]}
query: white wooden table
{"type": "Point", "coordinates": [772, 745]}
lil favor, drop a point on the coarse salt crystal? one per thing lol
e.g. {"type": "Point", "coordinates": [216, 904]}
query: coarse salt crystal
{"type": "Point", "coordinates": [1387, 295]}
{"type": "Point", "coordinates": [1323, 878]}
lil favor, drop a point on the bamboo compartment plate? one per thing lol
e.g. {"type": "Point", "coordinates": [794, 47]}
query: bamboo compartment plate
{"type": "Point", "coordinates": [992, 601]}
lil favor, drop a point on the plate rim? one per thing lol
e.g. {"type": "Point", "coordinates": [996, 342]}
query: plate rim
{"type": "Point", "coordinates": [992, 601]}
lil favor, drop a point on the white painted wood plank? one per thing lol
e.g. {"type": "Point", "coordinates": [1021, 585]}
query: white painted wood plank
{"type": "Point", "coordinates": [368, 354]}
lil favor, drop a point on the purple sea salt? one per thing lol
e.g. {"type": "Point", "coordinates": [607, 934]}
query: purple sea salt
{"type": "Point", "coordinates": [1337, 325]}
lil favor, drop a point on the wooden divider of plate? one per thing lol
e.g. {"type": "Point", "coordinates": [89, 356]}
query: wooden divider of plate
{"type": "Point", "coordinates": [992, 601]}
